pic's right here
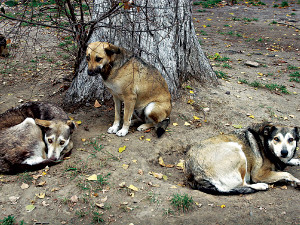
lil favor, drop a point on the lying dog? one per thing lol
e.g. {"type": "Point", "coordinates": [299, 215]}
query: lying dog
{"type": "Point", "coordinates": [129, 79]}
{"type": "Point", "coordinates": [244, 162]}
{"type": "Point", "coordinates": [3, 48]}
{"type": "Point", "coordinates": [23, 142]}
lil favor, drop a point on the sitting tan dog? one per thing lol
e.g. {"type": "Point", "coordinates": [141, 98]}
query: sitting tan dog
{"type": "Point", "coordinates": [130, 80]}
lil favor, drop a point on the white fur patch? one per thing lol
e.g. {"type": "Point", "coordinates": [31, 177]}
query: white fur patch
{"type": "Point", "coordinates": [149, 108]}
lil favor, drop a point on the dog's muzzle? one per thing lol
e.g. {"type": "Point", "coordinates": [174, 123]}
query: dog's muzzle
{"type": "Point", "coordinates": [284, 153]}
{"type": "Point", "coordinates": [93, 72]}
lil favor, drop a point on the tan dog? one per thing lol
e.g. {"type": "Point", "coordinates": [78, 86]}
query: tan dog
{"type": "Point", "coordinates": [129, 79]}
{"type": "Point", "coordinates": [244, 162]}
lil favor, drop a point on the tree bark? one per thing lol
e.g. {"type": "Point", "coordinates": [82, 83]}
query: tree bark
{"type": "Point", "coordinates": [160, 32]}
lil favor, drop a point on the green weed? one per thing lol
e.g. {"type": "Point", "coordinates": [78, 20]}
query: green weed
{"type": "Point", "coordinates": [222, 75]}
{"type": "Point", "coordinates": [291, 67]}
{"type": "Point", "coordinates": [182, 202]}
{"type": "Point", "coordinates": [284, 4]}
{"type": "Point", "coordinates": [226, 65]}
{"type": "Point", "coordinates": [295, 77]}
{"type": "Point", "coordinates": [25, 177]}
{"type": "Point", "coordinates": [97, 217]}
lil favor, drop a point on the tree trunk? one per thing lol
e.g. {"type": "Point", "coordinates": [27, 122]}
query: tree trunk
{"type": "Point", "coordinates": [160, 32]}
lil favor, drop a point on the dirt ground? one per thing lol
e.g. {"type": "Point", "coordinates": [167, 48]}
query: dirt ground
{"type": "Point", "coordinates": [62, 194]}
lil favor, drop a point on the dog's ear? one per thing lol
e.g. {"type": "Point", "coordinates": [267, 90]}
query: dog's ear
{"type": "Point", "coordinates": [43, 123]}
{"type": "Point", "coordinates": [267, 129]}
{"type": "Point", "coordinates": [112, 49]}
{"type": "Point", "coordinates": [297, 133]}
{"type": "Point", "coordinates": [72, 125]}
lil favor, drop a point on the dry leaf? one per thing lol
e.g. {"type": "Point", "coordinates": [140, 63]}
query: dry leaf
{"type": "Point", "coordinates": [125, 166]}
{"type": "Point", "coordinates": [24, 186]}
{"type": "Point", "coordinates": [42, 183]}
{"type": "Point", "coordinates": [123, 184]}
{"type": "Point", "coordinates": [13, 199]}
{"type": "Point", "coordinates": [29, 208]}
{"type": "Point", "coordinates": [40, 195]}
{"type": "Point", "coordinates": [97, 104]}
{"type": "Point", "coordinates": [122, 149]}
{"type": "Point", "coordinates": [36, 176]}
{"type": "Point", "coordinates": [161, 161]}
{"type": "Point", "coordinates": [93, 177]}
{"type": "Point", "coordinates": [175, 124]}
{"type": "Point", "coordinates": [55, 189]}
{"type": "Point", "coordinates": [104, 199]}
{"type": "Point", "coordinates": [74, 199]}
{"type": "Point", "coordinates": [44, 203]}
{"type": "Point", "coordinates": [140, 172]}
{"type": "Point", "coordinates": [180, 165]}
{"type": "Point", "coordinates": [196, 118]}
{"type": "Point", "coordinates": [100, 205]}
{"type": "Point", "coordinates": [157, 175]}
{"type": "Point", "coordinates": [133, 187]}
{"type": "Point", "coordinates": [187, 124]}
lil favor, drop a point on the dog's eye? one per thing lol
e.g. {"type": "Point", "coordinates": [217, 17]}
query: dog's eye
{"type": "Point", "coordinates": [290, 140]}
{"type": "Point", "coordinates": [50, 140]}
{"type": "Point", "coordinates": [62, 142]}
{"type": "Point", "coordinates": [276, 139]}
{"type": "Point", "coordinates": [88, 57]}
{"type": "Point", "coordinates": [98, 59]}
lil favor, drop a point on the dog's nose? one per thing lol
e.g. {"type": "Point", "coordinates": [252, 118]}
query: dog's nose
{"type": "Point", "coordinates": [284, 153]}
{"type": "Point", "coordinates": [91, 73]}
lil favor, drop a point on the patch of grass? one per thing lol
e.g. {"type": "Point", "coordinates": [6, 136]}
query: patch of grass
{"type": "Point", "coordinates": [25, 177]}
{"type": "Point", "coordinates": [276, 87]}
{"type": "Point", "coordinates": [274, 22]}
{"type": "Point", "coordinates": [243, 81]}
{"type": "Point", "coordinates": [182, 202]}
{"type": "Point", "coordinates": [226, 65]}
{"type": "Point", "coordinates": [168, 212]}
{"type": "Point", "coordinates": [275, 5]}
{"type": "Point", "coordinates": [202, 32]}
{"type": "Point", "coordinates": [219, 58]}
{"type": "Point", "coordinates": [153, 197]}
{"type": "Point", "coordinates": [222, 75]}
{"type": "Point", "coordinates": [291, 67]}
{"type": "Point", "coordinates": [284, 4]}
{"type": "Point", "coordinates": [249, 19]}
{"type": "Point", "coordinates": [255, 84]}
{"type": "Point", "coordinates": [97, 217]}
{"type": "Point", "coordinates": [81, 213]}
{"type": "Point", "coordinates": [10, 220]}
{"type": "Point", "coordinates": [295, 77]}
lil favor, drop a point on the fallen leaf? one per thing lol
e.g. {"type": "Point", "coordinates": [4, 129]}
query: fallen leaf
{"type": "Point", "coordinates": [196, 118]}
{"type": "Point", "coordinates": [42, 183]}
{"type": "Point", "coordinates": [175, 124]}
{"type": "Point", "coordinates": [29, 208]}
{"type": "Point", "coordinates": [97, 104]}
{"type": "Point", "coordinates": [223, 206]}
{"type": "Point", "coordinates": [24, 186]}
{"type": "Point", "coordinates": [157, 175]}
{"type": "Point", "coordinates": [40, 195]}
{"type": "Point", "coordinates": [93, 177]}
{"type": "Point", "coordinates": [173, 187]}
{"type": "Point", "coordinates": [100, 205]}
{"type": "Point", "coordinates": [134, 160]}
{"type": "Point", "coordinates": [251, 116]}
{"type": "Point", "coordinates": [125, 166]}
{"type": "Point", "coordinates": [44, 203]}
{"type": "Point", "coordinates": [187, 124]}
{"type": "Point", "coordinates": [122, 149]}
{"type": "Point", "coordinates": [148, 139]}
{"type": "Point", "coordinates": [78, 122]}
{"type": "Point", "coordinates": [237, 126]}
{"type": "Point", "coordinates": [284, 187]}
{"type": "Point", "coordinates": [180, 165]}
{"type": "Point", "coordinates": [190, 101]}
{"type": "Point", "coordinates": [140, 172]}
{"type": "Point", "coordinates": [36, 176]}
{"type": "Point", "coordinates": [74, 199]}
{"type": "Point", "coordinates": [165, 177]}
{"type": "Point", "coordinates": [133, 187]}
{"type": "Point", "coordinates": [123, 184]}
{"type": "Point", "coordinates": [13, 199]}
{"type": "Point", "coordinates": [161, 161]}
{"type": "Point", "coordinates": [104, 199]}
{"type": "Point", "coordinates": [191, 92]}
{"type": "Point", "coordinates": [54, 189]}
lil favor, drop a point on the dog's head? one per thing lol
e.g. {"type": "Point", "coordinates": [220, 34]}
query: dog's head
{"type": "Point", "coordinates": [100, 57]}
{"type": "Point", "coordinates": [281, 141]}
{"type": "Point", "coordinates": [57, 136]}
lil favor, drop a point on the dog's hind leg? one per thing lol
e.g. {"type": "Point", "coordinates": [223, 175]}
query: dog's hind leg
{"type": "Point", "coordinates": [156, 113]}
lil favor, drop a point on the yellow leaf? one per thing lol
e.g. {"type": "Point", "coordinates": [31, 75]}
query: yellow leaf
{"type": "Point", "coordinates": [187, 124]}
{"type": "Point", "coordinates": [83, 139]}
{"type": "Point", "coordinates": [78, 122]}
{"type": "Point", "coordinates": [93, 177]}
{"type": "Point", "coordinates": [175, 124]}
{"type": "Point", "coordinates": [148, 139]}
{"type": "Point", "coordinates": [180, 165]}
{"type": "Point", "coordinates": [161, 161]}
{"type": "Point", "coordinates": [173, 187]}
{"type": "Point", "coordinates": [191, 92]}
{"type": "Point", "coordinates": [209, 19]}
{"type": "Point", "coordinates": [237, 126]}
{"type": "Point", "coordinates": [141, 138]}
{"type": "Point", "coordinates": [133, 187]}
{"type": "Point", "coordinates": [231, 14]}
{"type": "Point", "coordinates": [134, 160]}
{"type": "Point", "coordinates": [204, 26]}
{"type": "Point", "coordinates": [190, 101]}
{"type": "Point", "coordinates": [165, 177]}
{"type": "Point", "coordinates": [122, 149]}
{"type": "Point", "coordinates": [40, 195]}
{"type": "Point", "coordinates": [223, 206]}
{"type": "Point", "coordinates": [125, 166]}
{"type": "Point", "coordinates": [29, 208]}
{"type": "Point", "coordinates": [251, 116]}
{"type": "Point", "coordinates": [71, 118]}
{"type": "Point", "coordinates": [196, 118]}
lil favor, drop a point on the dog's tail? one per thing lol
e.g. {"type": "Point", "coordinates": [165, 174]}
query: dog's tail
{"type": "Point", "coordinates": [209, 188]}
{"type": "Point", "coordinates": [162, 126]}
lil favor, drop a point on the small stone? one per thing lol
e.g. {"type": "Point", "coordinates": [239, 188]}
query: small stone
{"type": "Point", "coordinates": [227, 92]}
{"type": "Point", "coordinates": [252, 64]}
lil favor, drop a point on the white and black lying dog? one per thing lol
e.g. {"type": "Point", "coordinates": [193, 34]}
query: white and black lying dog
{"type": "Point", "coordinates": [33, 135]}
{"type": "Point", "coordinates": [243, 162]}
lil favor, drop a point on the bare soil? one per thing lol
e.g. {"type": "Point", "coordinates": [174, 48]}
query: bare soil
{"type": "Point", "coordinates": [62, 194]}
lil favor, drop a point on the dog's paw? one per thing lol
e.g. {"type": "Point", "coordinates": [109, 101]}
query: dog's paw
{"type": "Point", "coordinates": [260, 186]}
{"type": "Point", "coordinates": [113, 129]}
{"type": "Point", "coordinates": [294, 162]}
{"type": "Point", "coordinates": [143, 127]}
{"type": "Point", "coordinates": [122, 132]}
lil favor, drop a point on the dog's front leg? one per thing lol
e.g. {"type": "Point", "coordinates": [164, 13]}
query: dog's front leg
{"type": "Point", "coordinates": [128, 111]}
{"type": "Point", "coordinates": [294, 162]}
{"type": "Point", "coordinates": [115, 127]}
